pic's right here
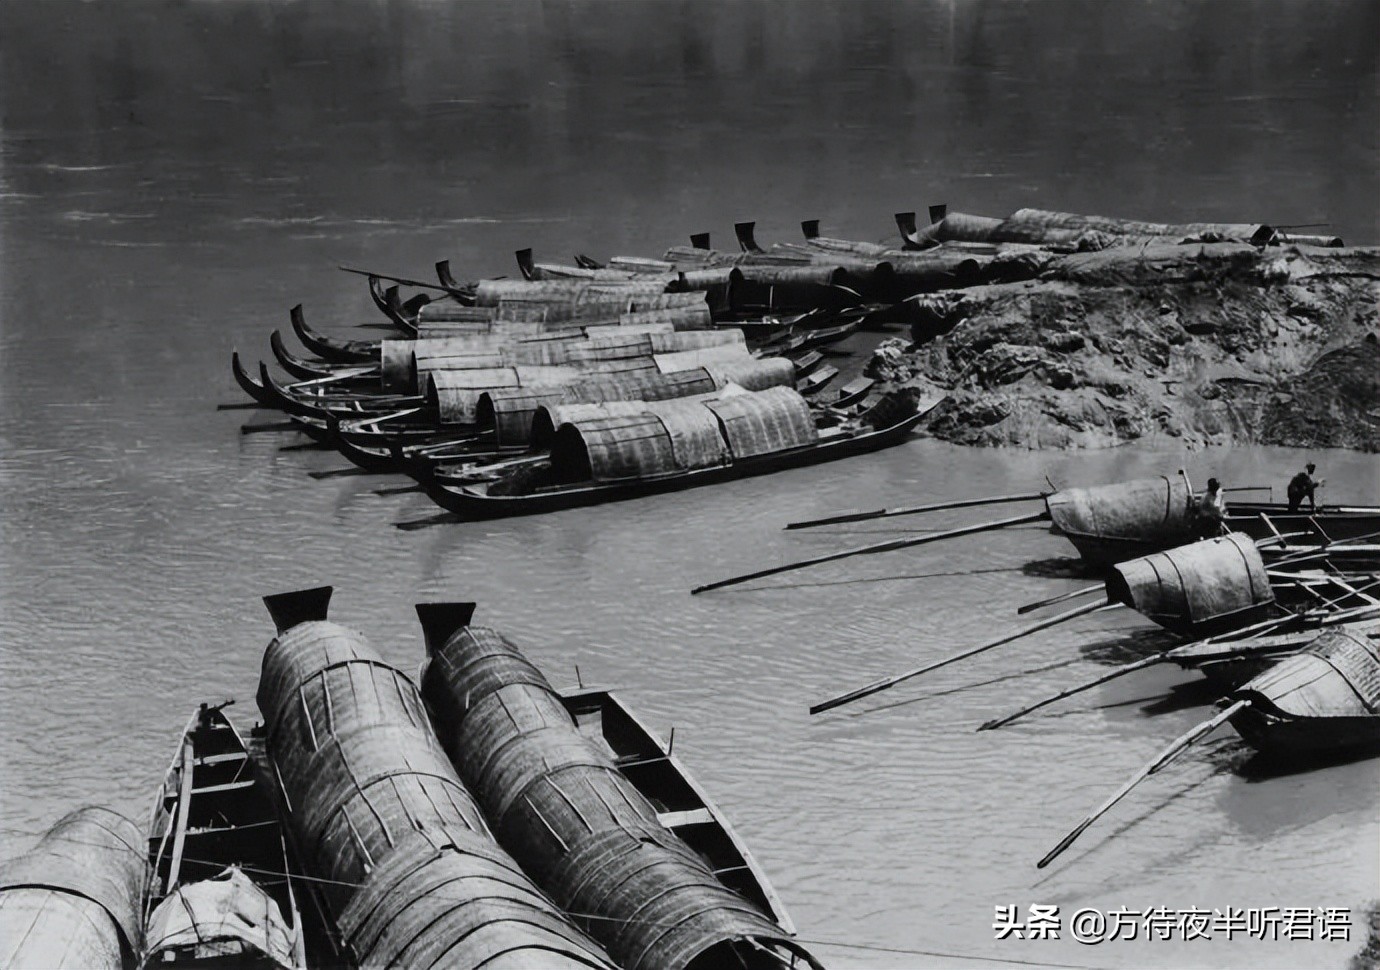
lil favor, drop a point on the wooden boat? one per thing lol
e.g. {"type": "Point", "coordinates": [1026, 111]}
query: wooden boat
{"type": "Point", "coordinates": [332, 349]}
{"type": "Point", "coordinates": [814, 382]}
{"type": "Point", "coordinates": [73, 900]}
{"type": "Point", "coordinates": [221, 889]}
{"type": "Point", "coordinates": [362, 375]}
{"type": "Point", "coordinates": [1320, 705]}
{"type": "Point", "coordinates": [382, 818]}
{"type": "Point", "coordinates": [807, 362]}
{"type": "Point", "coordinates": [853, 392]}
{"type": "Point", "coordinates": [1111, 523]}
{"type": "Point", "coordinates": [402, 315]}
{"type": "Point", "coordinates": [597, 811]}
{"type": "Point", "coordinates": [327, 407]}
{"type": "Point", "coordinates": [485, 502]}
{"type": "Point", "coordinates": [1322, 701]}
{"type": "Point", "coordinates": [423, 458]}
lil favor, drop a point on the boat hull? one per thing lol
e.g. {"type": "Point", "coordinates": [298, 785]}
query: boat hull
{"type": "Point", "coordinates": [1297, 737]}
{"type": "Point", "coordinates": [470, 504]}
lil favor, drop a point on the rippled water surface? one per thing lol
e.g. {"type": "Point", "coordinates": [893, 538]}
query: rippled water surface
{"type": "Point", "coordinates": [173, 178]}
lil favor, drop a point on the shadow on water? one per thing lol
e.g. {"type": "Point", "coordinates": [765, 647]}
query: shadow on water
{"type": "Point", "coordinates": [1181, 697]}
{"type": "Point", "coordinates": [1061, 567]}
{"type": "Point", "coordinates": [1128, 647]}
{"type": "Point", "coordinates": [442, 518]}
{"type": "Point", "coordinates": [1261, 766]}
{"type": "Point", "coordinates": [1293, 801]}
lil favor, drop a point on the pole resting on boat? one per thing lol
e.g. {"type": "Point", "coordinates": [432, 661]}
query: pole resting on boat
{"type": "Point", "coordinates": [876, 547]}
{"type": "Point", "coordinates": [882, 685]}
{"type": "Point", "coordinates": [1163, 758]}
{"type": "Point", "coordinates": [299, 606]}
{"type": "Point", "coordinates": [914, 509]}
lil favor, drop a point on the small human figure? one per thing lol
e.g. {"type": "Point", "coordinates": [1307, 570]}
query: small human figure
{"type": "Point", "coordinates": [1211, 512]}
{"type": "Point", "coordinates": [1301, 487]}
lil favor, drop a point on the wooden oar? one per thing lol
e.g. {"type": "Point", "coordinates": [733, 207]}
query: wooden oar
{"type": "Point", "coordinates": [1121, 671]}
{"type": "Point", "coordinates": [1228, 640]}
{"type": "Point", "coordinates": [889, 682]}
{"type": "Point", "coordinates": [876, 547]}
{"type": "Point", "coordinates": [1163, 657]}
{"type": "Point", "coordinates": [1061, 598]}
{"type": "Point", "coordinates": [1179, 744]}
{"type": "Point", "coordinates": [914, 509]}
{"type": "Point", "coordinates": [396, 279]}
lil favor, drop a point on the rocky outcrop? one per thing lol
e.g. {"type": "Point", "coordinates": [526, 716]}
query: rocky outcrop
{"type": "Point", "coordinates": [1204, 343]}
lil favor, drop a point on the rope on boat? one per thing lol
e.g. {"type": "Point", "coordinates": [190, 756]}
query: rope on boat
{"type": "Point", "coordinates": [590, 916]}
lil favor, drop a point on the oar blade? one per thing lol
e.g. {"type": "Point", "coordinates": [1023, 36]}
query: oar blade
{"type": "Point", "coordinates": [849, 697]}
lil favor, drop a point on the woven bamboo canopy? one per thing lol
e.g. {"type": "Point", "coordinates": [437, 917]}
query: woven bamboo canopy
{"type": "Point", "coordinates": [362, 774]}
{"type": "Point", "coordinates": [588, 837]}
{"type": "Point", "coordinates": [1337, 675]}
{"type": "Point", "coordinates": [455, 902]}
{"type": "Point", "coordinates": [75, 899]}
{"type": "Point", "coordinates": [1198, 589]}
{"type": "Point", "coordinates": [766, 421]}
{"type": "Point", "coordinates": [1150, 511]}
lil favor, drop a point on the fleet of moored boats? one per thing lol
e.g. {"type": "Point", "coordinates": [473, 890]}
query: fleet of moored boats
{"type": "Point", "coordinates": [477, 816]}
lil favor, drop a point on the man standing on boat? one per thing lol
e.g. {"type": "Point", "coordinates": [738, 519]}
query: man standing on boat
{"type": "Point", "coordinates": [1301, 487]}
{"type": "Point", "coordinates": [1209, 517]}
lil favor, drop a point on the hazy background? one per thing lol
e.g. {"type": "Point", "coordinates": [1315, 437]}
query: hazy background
{"type": "Point", "coordinates": [174, 176]}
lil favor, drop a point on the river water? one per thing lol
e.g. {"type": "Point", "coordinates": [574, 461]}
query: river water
{"type": "Point", "coordinates": [173, 178]}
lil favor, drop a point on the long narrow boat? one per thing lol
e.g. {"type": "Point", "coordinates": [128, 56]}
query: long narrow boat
{"type": "Point", "coordinates": [1108, 524]}
{"type": "Point", "coordinates": [308, 370]}
{"type": "Point", "coordinates": [682, 805]}
{"type": "Point", "coordinates": [1322, 701]}
{"type": "Point", "coordinates": [332, 349]}
{"type": "Point", "coordinates": [596, 813]}
{"type": "Point", "coordinates": [483, 502]}
{"type": "Point", "coordinates": [220, 892]}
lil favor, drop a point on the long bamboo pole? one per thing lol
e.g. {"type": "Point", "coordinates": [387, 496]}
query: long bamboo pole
{"type": "Point", "coordinates": [1163, 758]}
{"type": "Point", "coordinates": [842, 517]}
{"type": "Point", "coordinates": [1228, 641]}
{"type": "Point", "coordinates": [881, 685]}
{"type": "Point", "coordinates": [887, 546]}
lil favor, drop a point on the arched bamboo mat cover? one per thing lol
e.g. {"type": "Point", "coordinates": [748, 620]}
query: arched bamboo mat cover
{"type": "Point", "coordinates": [557, 802]}
{"type": "Point", "coordinates": [1151, 510]}
{"type": "Point", "coordinates": [362, 773]}
{"type": "Point", "coordinates": [775, 419]}
{"type": "Point", "coordinates": [457, 901]}
{"type": "Point", "coordinates": [1198, 589]}
{"type": "Point", "coordinates": [75, 898]}
{"type": "Point", "coordinates": [510, 411]}
{"type": "Point", "coordinates": [1337, 675]}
